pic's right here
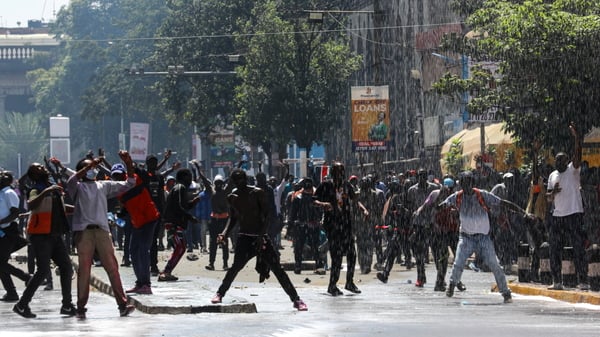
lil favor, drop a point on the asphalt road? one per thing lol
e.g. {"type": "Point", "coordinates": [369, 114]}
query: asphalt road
{"type": "Point", "coordinates": [397, 308]}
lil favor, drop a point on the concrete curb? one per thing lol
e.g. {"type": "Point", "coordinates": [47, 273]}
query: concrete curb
{"type": "Point", "coordinates": [234, 308]}
{"type": "Point", "coordinates": [572, 296]}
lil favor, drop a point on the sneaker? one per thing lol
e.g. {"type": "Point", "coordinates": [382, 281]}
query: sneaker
{"type": "Point", "coordinates": [450, 290]}
{"type": "Point", "coordinates": [68, 310]}
{"type": "Point", "coordinates": [557, 286]}
{"type": "Point", "coordinates": [133, 290]}
{"type": "Point", "coordinates": [144, 290]}
{"type": "Point", "coordinates": [126, 309]}
{"type": "Point", "coordinates": [210, 267]}
{"type": "Point", "coordinates": [507, 298]}
{"type": "Point", "coordinates": [10, 298]}
{"type": "Point", "coordinates": [460, 286]}
{"type": "Point", "coordinates": [300, 305]}
{"type": "Point", "coordinates": [419, 284]}
{"type": "Point", "coordinates": [154, 271]}
{"type": "Point", "coordinates": [334, 291]}
{"type": "Point", "coordinates": [351, 287]}
{"type": "Point", "coordinates": [217, 299]}
{"type": "Point", "coordinates": [80, 313]}
{"type": "Point", "coordinates": [225, 267]}
{"type": "Point", "coordinates": [382, 277]}
{"type": "Point", "coordinates": [320, 271]}
{"type": "Point", "coordinates": [126, 263]}
{"type": "Point", "coordinates": [24, 311]}
{"type": "Point", "coordinates": [49, 286]}
{"type": "Point", "coordinates": [297, 271]}
{"type": "Point", "coordinates": [192, 257]}
{"type": "Point", "coordinates": [583, 286]}
{"type": "Point", "coordinates": [164, 277]}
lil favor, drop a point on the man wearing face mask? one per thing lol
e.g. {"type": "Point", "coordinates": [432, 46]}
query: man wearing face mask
{"type": "Point", "coordinates": [91, 231]}
{"type": "Point", "coordinates": [567, 216]}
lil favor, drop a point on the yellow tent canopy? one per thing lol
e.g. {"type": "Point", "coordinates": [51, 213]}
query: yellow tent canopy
{"type": "Point", "coordinates": [471, 143]}
{"type": "Point", "coordinates": [494, 135]}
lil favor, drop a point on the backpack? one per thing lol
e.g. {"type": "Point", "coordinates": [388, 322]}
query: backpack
{"type": "Point", "coordinates": [479, 198]}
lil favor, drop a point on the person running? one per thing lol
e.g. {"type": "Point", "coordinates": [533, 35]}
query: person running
{"type": "Point", "coordinates": [250, 211]}
{"type": "Point", "coordinates": [46, 226]}
{"type": "Point", "coordinates": [91, 231]}
{"type": "Point", "coordinates": [337, 197]}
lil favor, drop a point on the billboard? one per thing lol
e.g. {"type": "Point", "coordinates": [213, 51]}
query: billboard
{"type": "Point", "coordinates": [370, 107]}
{"type": "Point", "coordinates": [138, 140]}
{"type": "Point", "coordinates": [222, 149]}
{"type": "Point", "coordinates": [61, 149]}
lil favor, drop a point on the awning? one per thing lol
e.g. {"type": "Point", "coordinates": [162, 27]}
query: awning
{"type": "Point", "coordinates": [471, 141]}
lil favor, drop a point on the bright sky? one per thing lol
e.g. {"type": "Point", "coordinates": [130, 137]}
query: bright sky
{"type": "Point", "coordinates": [12, 11]}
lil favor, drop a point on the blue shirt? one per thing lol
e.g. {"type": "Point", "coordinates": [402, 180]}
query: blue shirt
{"type": "Point", "coordinates": [8, 199]}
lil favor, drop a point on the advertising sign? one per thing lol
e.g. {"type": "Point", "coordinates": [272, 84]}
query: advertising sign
{"type": "Point", "coordinates": [370, 108]}
{"type": "Point", "coordinates": [61, 149]}
{"type": "Point", "coordinates": [222, 149]}
{"type": "Point", "coordinates": [138, 140]}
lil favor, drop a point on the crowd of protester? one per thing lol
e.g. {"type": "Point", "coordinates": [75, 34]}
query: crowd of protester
{"type": "Point", "coordinates": [401, 218]}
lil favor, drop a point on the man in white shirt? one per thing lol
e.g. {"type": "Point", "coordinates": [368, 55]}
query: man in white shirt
{"type": "Point", "coordinates": [567, 216]}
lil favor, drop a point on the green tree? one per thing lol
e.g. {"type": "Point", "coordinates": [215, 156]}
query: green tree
{"type": "Point", "coordinates": [548, 74]}
{"type": "Point", "coordinates": [88, 82]}
{"type": "Point", "coordinates": [294, 80]}
{"type": "Point", "coordinates": [454, 160]}
{"type": "Point", "coordinates": [22, 134]}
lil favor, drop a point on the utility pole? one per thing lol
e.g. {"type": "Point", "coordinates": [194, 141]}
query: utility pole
{"type": "Point", "coordinates": [378, 71]}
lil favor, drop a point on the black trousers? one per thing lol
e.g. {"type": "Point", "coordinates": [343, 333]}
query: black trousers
{"type": "Point", "coordinates": [245, 249]}
{"type": "Point", "coordinates": [8, 244]}
{"type": "Point", "coordinates": [341, 243]}
{"type": "Point", "coordinates": [215, 227]}
{"type": "Point", "coordinates": [307, 234]}
{"type": "Point", "coordinates": [48, 247]}
{"type": "Point", "coordinates": [565, 231]}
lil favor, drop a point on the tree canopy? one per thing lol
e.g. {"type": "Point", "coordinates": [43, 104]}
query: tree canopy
{"type": "Point", "coordinates": [548, 57]}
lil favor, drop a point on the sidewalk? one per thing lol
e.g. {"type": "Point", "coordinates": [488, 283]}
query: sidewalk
{"type": "Point", "coordinates": [197, 285]}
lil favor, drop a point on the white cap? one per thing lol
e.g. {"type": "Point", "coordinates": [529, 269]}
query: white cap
{"type": "Point", "coordinates": [218, 177]}
{"type": "Point", "coordinates": [507, 175]}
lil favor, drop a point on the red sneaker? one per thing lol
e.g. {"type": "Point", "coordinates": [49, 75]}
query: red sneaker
{"type": "Point", "coordinates": [419, 284]}
{"type": "Point", "coordinates": [300, 305]}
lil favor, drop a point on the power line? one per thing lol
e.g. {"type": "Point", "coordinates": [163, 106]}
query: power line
{"type": "Point", "coordinates": [218, 36]}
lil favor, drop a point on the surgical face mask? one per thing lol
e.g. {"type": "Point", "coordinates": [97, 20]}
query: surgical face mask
{"type": "Point", "coordinates": [91, 174]}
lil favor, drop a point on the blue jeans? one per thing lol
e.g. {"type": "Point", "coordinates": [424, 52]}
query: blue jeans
{"type": "Point", "coordinates": [482, 245]}
{"type": "Point", "coordinates": [141, 241]}
{"type": "Point", "coordinates": [193, 234]}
